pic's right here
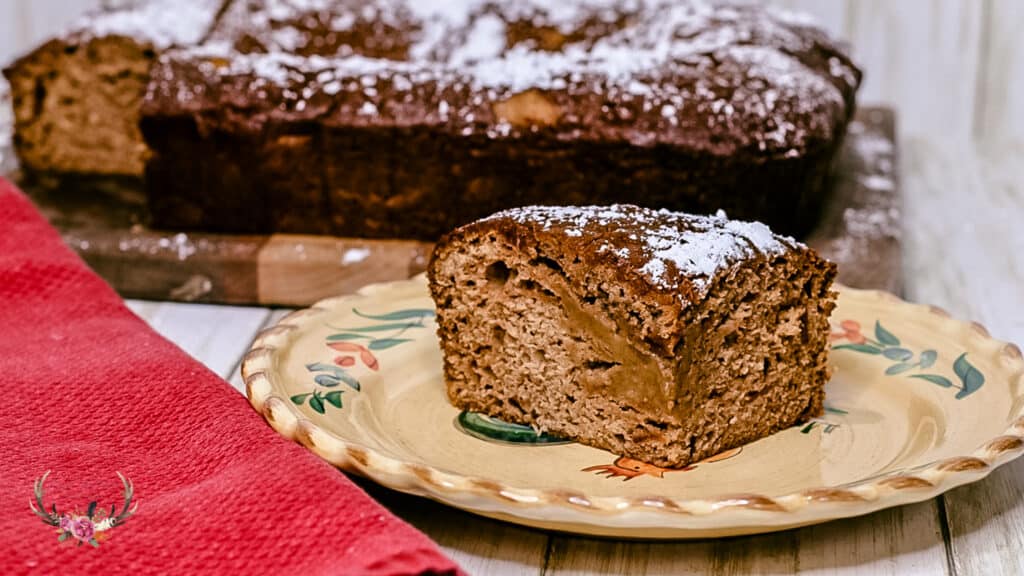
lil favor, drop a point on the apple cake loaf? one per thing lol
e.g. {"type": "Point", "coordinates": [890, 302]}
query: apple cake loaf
{"type": "Point", "coordinates": [401, 118]}
{"type": "Point", "coordinates": [657, 335]}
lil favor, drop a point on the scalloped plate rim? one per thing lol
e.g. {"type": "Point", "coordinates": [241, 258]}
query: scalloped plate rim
{"type": "Point", "coordinates": [655, 517]}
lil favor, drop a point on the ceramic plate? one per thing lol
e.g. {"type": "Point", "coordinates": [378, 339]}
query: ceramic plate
{"type": "Point", "coordinates": [919, 403]}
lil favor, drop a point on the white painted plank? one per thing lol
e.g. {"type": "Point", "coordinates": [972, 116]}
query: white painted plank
{"type": "Point", "coordinates": [273, 317]}
{"type": "Point", "coordinates": [25, 24]}
{"type": "Point", "coordinates": [905, 540]}
{"type": "Point", "coordinates": [217, 336]}
{"type": "Point", "coordinates": [921, 55]}
{"type": "Point", "coordinates": [480, 545]}
{"type": "Point", "coordinates": [10, 13]}
{"type": "Point", "coordinates": [986, 523]}
{"type": "Point", "coordinates": [49, 17]}
{"type": "Point", "coordinates": [902, 541]}
{"type": "Point", "coordinates": [964, 249]}
{"type": "Point", "coordinates": [831, 14]}
{"type": "Point", "coordinates": [578, 556]}
{"type": "Point", "coordinates": [965, 252]}
{"type": "Point", "coordinates": [1000, 114]}
{"type": "Point", "coordinates": [145, 309]}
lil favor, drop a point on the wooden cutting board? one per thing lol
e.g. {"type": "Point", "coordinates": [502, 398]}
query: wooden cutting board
{"type": "Point", "coordinates": [859, 230]}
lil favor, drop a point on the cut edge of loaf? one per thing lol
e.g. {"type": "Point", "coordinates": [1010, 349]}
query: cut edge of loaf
{"type": "Point", "coordinates": [753, 360]}
{"type": "Point", "coordinates": [76, 106]}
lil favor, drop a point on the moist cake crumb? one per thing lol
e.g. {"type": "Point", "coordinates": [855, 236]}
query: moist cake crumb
{"type": "Point", "coordinates": [662, 336]}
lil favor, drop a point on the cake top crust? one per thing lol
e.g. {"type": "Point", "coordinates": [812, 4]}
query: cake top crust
{"type": "Point", "coordinates": [708, 74]}
{"type": "Point", "coordinates": [671, 252]}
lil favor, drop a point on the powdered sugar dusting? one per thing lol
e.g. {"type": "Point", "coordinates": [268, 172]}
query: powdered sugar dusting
{"type": "Point", "coordinates": [670, 248]}
{"type": "Point", "coordinates": [283, 68]}
{"type": "Point", "coordinates": [164, 23]}
{"type": "Point", "coordinates": [707, 246]}
{"type": "Point", "coordinates": [485, 41]}
{"type": "Point", "coordinates": [735, 69]}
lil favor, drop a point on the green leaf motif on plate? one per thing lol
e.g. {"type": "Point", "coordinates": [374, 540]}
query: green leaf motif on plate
{"type": "Point", "coordinates": [344, 336]}
{"type": "Point", "coordinates": [385, 343]}
{"type": "Point", "coordinates": [326, 380]}
{"type": "Point", "coordinates": [884, 336]}
{"type": "Point", "coordinates": [887, 344]}
{"type": "Point", "coordinates": [971, 378]}
{"type": "Point", "coordinates": [901, 354]}
{"type": "Point", "coordinates": [398, 315]}
{"type": "Point", "coordinates": [899, 368]}
{"type": "Point", "coordinates": [385, 327]}
{"type": "Point", "coordinates": [492, 429]}
{"type": "Point", "coordinates": [828, 427]}
{"type": "Point", "coordinates": [335, 375]}
{"type": "Point", "coordinates": [316, 404]}
{"type": "Point", "coordinates": [352, 382]}
{"type": "Point", "coordinates": [355, 346]}
{"type": "Point", "coordinates": [934, 379]}
{"type": "Point", "coordinates": [334, 398]}
{"type": "Point", "coordinates": [321, 367]}
{"type": "Point", "coordinates": [865, 348]}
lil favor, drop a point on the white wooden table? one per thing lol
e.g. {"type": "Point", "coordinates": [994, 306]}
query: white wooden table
{"type": "Point", "coordinates": [964, 251]}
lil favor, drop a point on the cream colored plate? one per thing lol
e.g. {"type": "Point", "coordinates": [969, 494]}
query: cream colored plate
{"type": "Point", "coordinates": [919, 403]}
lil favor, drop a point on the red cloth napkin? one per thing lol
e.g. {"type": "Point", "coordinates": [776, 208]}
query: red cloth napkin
{"type": "Point", "coordinates": [88, 390]}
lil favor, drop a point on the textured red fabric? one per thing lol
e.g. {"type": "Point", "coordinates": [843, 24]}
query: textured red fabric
{"type": "Point", "coordinates": [89, 389]}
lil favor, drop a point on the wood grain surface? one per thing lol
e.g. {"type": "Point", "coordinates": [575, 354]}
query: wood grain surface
{"type": "Point", "coordinates": [965, 252]}
{"type": "Point", "coordinates": [107, 228]}
{"type": "Point", "coordinates": [859, 228]}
